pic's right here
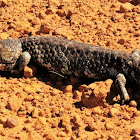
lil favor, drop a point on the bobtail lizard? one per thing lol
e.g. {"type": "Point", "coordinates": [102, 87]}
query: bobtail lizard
{"type": "Point", "coordinates": [69, 57]}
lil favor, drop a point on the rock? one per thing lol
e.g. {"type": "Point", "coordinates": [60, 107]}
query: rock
{"type": "Point", "coordinates": [133, 104]}
{"type": "Point", "coordinates": [135, 131]}
{"type": "Point", "coordinates": [61, 13]}
{"type": "Point", "coordinates": [121, 41]}
{"type": "Point", "coordinates": [97, 110]}
{"type": "Point", "coordinates": [120, 138]}
{"type": "Point", "coordinates": [4, 36]}
{"type": "Point", "coordinates": [92, 126]}
{"type": "Point", "coordinates": [77, 119]}
{"type": "Point", "coordinates": [3, 120]}
{"type": "Point", "coordinates": [41, 113]}
{"type": "Point", "coordinates": [111, 137]}
{"type": "Point", "coordinates": [28, 72]}
{"type": "Point", "coordinates": [55, 92]}
{"type": "Point", "coordinates": [35, 113]}
{"type": "Point", "coordinates": [68, 89]}
{"type": "Point", "coordinates": [11, 122]}
{"type": "Point", "coordinates": [137, 137]}
{"type": "Point", "coordinates": [51, 10]}
{"type": "Point", "coordinates": [29, 120]}
{"type": "Point", "coordinates": [126, 7]}
{"type": "Point", "coordinates": [113, 112]}
{"type": "Point", "coordinates": [77, 95]}
{"type": "Point", "coordinates": [44, 29]}
{"type": "Point", "coordinates": [3, 3]}
{"type": "Point", "coordinates": [110, 125]}
{"type": "Point", "coordinates": [14, 103]}
{"type": "Point", "coordinates": [126, 117]}
{"type": "Point", "coordinates": [82, 88]}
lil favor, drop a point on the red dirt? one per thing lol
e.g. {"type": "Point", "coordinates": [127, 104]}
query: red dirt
{"type": "Point", "coordinates": [32, 109]}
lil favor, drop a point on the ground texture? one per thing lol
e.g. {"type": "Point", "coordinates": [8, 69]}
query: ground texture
{"type": "Point", "coordinates": [54, 109]}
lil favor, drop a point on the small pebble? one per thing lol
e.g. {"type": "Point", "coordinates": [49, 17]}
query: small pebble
{"type": "Point", "coordinates": [109, 125]}
{"type": "Point", "coordinates": [3, 120]}
{"type": "Point", "coordinates": [68, 89]}
{"type": "Point", "coordinates": [133, 104]}
{"type": "Point", "coordinates": [97, 110]}
{"type": "Point", "coordinates": [28, 72]}
{"type": "Point", "coordinates": [135, 131]}
{"type": "Point", "coordinates": [121, 41]}
{"type": "Point", "coordinates": [137, 137]}
{"type": "Point", "coordinates": [126, 7]}
{"type": "Point", "coordinates": [11, 122]}
{"type": "Point", "coordinates": [126, 117]}
{"type": "Point", "coordinates": [113, 112]}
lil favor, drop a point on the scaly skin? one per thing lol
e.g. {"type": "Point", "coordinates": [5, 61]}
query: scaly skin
{"type": "Point", "coordinates": [82, 60]}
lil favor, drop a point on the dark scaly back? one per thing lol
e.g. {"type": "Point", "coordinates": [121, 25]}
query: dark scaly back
{"type": "Point", "coordinates": [83, 60]}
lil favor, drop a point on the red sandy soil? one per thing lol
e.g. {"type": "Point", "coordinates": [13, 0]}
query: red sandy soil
{"type": "Point", "coordinates": [33, 109]}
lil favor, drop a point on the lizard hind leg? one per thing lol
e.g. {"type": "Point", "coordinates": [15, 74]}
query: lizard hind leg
{"type": "Point", "coordinates": [22, 62]}
{"type": "Point", "coordinates": [120, 84]}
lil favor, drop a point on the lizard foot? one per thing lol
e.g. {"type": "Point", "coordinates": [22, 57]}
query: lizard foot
{"type": "Point", "coordinates": [120, 84]}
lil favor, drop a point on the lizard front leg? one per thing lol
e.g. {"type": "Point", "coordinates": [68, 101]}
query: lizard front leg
{"type": "Point", "coordinates": [23, 61]}
{"type": "Point", "coordinates": [120, 84]}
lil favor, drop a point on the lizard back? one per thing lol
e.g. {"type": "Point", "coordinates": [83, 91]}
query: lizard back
{"type": "Point", "coordinates": [83, 60]}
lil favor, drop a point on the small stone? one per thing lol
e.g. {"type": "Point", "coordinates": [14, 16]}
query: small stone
{"type": "Point", "coordinates": [135, 131]}
{"type": "Point", "coordinates": [120, 138]}
{"type": "Point", "coordinates": [42, 120]}
{"type": "Point", "coordinates": [68, 89]}
{"type": "Point", "coordinates": [44, 29]}
{"type": "Point", "coordinates": [28, 72]}
{"type": "Point", "coordinates": [35, 113]}
{"type": "Point", "coordinates": [66, 120]}
{"type": "Point", "coordinates": [109, 125]}
{"type": "Point", "coordinates": [59, 31]}
{"type": "Point", "coordinates": [113, 112]}
{"type": "Point", "coordinates": [3, 120]}
{"type": "Point", "coordinates": [4, 35]}
{"type": "Point", "coordinates": [77, 119]}
{"type": "Point", "coordinates": [133, 104]}
{"type": "Point", "coordinates": [29, 120]}
{"type": "Point", "coordinates": [21, 113]}
{"type": "Point", "coordinates": [126, 117]}
{"type": "Point", "coordinates": [127, 16]}
{"type": "Point", "coordinates": [61, 13]}
{"type": "Point", "coordinates": [137, 137]}
{"type": "Point", "coordinates": [41, 113]}
{"type": "Point", "coordinates": [121, 41]}
{"type": "Point", "coordinates": [92, 126]}
{"type": "Point", "coordinates": [14, 103]}
{"type": "Point", "coordinates": [50, 10]}
{"type": "Point", "coordinates": [29, 97]}
{"type": "Point", "coordinates": [55, 92]}
{"type": "Point", "coordinates": [126, 7]}
{"type": "Point", "coordinates": [77, 95]}
{"type": "Point", "coordinates": [11, 122]}
{"type": "Point", "coordinates": [61, 134]}
{"type": "Point", "coordinates": [97, 110]}
{"type": "Point", "coordinates": [111, 137]}
{"type": "Point", "coordinates": [82, 87]}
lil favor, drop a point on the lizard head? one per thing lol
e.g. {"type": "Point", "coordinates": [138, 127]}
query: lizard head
{"type": "Point", "coordinates": [10, 50]}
